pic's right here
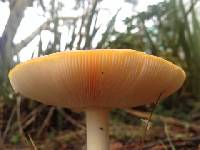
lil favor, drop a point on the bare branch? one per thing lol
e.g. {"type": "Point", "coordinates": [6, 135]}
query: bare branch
{"type": "Point", "coordinates": [44, 26]}
{"type": "Point", "coordinates": [108, 30]}
{"type": "Point", "coordinates": [16, 15]}
{"type": "Point", "coordinates": [80, 32]}
{"type": "Point", "coordinates": [73, 37]}
{"type": "Point", "coordinates": [24, 42]}
{"type": "Point", "coordinates": [70, 119]}
{"type": "Point", "coordinates": [46, 121]}
{"type": "Point", "coordinates": [89, 22]}
{"type": "Point", "coordinates": [95, 29]}
{"type": "Point", "coordinates": [191, 7]}
{"type": "Point", "coordinates": [12, 114]}
{"type": "Point", "coordinates": [42, 5]}
{"type": "Point", "coordinates": [17, 9]}
{"type": "Point", "coordinates": [153, 46]}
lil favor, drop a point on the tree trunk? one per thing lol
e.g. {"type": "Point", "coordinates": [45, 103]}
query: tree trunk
{"type": "Point", "coordinates": [17, 9]}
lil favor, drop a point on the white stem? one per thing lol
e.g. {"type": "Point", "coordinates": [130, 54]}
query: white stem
{"type": "Point", "coordinates": [97, 129]}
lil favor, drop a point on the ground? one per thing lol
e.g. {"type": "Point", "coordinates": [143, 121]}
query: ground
{"type": "Point", "coordinates": [160, 136]}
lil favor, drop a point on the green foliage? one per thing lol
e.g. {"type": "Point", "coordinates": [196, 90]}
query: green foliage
{"type": "Point", "coordinates": [174, 34]}
{"type": "Point", "coordinates": [119, 115]}
{"type": "Point", "coordinates": [15, 139]}
{"type": "Point", "coordinates": [176, 106]}
{"type": "Point", "coordinates": [125, 41]}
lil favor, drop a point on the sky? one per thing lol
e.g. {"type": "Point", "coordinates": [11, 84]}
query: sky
{"type": "Point", "coordinates": [34, 17]}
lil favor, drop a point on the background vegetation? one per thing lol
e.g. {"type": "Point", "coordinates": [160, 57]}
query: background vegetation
{"type": "Point", "coordinates": [173, 35]}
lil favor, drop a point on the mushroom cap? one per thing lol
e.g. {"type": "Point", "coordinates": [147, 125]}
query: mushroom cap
{"type": "Point", "coordinates": [108, 78]}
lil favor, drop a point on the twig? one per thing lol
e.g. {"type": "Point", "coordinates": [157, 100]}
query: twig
{"type": "Point", "coordinates": [9, 123]}
{"type": "Point", "coordinates": [177, 142]}
{"type": "Point", "coordinates": [168, 137]}
{"type": "Point", "coordinates": [32, 143]}
{"type": "Point", "coordinates": [192, 139]}
{"type": "Point", "coordinates": [26, 121]}
{"type": "Point", "coordinates": [168, 120]}
{"type": "Point", "coordinates": [46, 121]}
{"type": "Point", "coordinates": [29, 122]}
{"type": "Point", "coordinates": [19, 117]}
{"type": "Point", "coordinates": [1, 116]}
{"type": "Point", "coordinates": [149, 119]}
{"type": "Point", "coordinates": [191, 7]}
{"type": "Point", "coordinates": [31, 116]}
{"type": "Point", "coordinates": [32, 113]}
{"type": "Point", "coordinates": [70, 134]}
{"type": "Point", "coordinates": [70, 119]}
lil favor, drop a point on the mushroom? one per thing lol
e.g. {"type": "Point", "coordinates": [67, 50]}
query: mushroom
{"type": "Point", "coordinates": [97, 81]}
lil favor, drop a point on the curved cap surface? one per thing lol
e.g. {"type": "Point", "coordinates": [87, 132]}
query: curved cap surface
{"type": "Point", "coordinates": [110, 78]}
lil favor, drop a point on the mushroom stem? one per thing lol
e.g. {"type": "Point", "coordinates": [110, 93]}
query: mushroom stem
{"type": "Point", "coordinates": [97, 129]}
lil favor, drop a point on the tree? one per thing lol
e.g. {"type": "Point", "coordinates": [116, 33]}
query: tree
{"type": "Point", "coordinates": [17, 9]}
{"type": "Point", "coordinates": [81, 29]}
{"type": "Point", "coordinates": [173, 35]}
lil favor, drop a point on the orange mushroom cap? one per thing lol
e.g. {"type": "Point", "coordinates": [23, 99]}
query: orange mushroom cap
{"type": "Point", "coordinates": [108, 78]}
